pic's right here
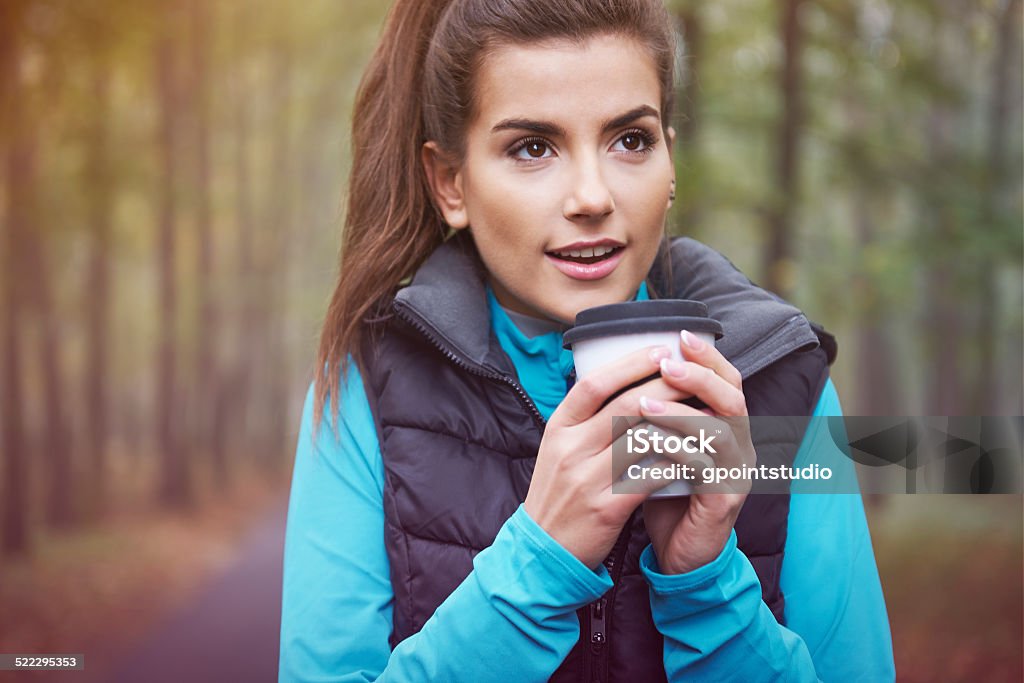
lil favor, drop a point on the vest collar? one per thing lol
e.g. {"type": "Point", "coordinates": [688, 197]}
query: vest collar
{"type": "Point", "coordinates": [448, 297]}
{"type": "Point", "coordinates": [758, 326]}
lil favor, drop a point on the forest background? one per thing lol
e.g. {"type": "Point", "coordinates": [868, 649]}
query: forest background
{"type": "Point", "coordinates": [171, 193]}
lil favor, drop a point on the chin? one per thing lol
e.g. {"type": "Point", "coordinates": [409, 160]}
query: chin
{"type": "Point", "coordinates": [589, 300]}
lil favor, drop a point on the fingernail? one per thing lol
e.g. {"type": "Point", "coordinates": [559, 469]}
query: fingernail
{"type": "Point", "coordinates": [692, 341]}
{"type": "Point", "coordinates": [651, 405]}
{"type": "Point", "coordinates": [673, 368]}
{"type": "Point", "coordinates": [660, 353]}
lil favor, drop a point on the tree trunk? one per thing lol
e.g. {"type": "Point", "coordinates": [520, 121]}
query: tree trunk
{"type": "Point", "coordinates": [877, 381]}
{"type": "Point", "coordinates": [778, 258]}
{"type": "Point", "coordinates": [945, 324]}
{"type": "Point", "coordinates": [56, 444]}
{"type": "Point", "coordinates": [14, 485]}
{"type": "Point", "coordinates": [175, 490]}
{"type": "Point", "coordinates": [877, 376]}
{"type": "Point", "coordinates": [989, 378]}
{"type": "Point", "coordinates": [97, 302]}
{"type": "Point", "coordinates": [689, 189]}
{"type": "Point", "coordinates": [204, 402]}
{"type": "Point", "coordinates": [243, 361]}
{"type": "Point", "coordinates": [280, 233]}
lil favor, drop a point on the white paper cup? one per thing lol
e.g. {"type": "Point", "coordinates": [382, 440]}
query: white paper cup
{"type": "Point", "coordinates": [605, 333]}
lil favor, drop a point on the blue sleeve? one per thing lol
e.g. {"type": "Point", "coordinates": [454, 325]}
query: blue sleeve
{"type": "Point", "coordinates": [513, 616]}
{"type": "Point", "coordinates": [716, 625]}
{"type": "Point", "coordinates": [833, 592]}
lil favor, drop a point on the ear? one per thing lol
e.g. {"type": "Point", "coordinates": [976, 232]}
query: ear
{"type": "Point", "coordinates": [444, 176]}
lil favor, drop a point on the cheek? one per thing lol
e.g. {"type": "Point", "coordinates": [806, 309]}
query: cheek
{"type": "Point", "coordinates": [508, 210]}
{"type": "Point", "coordinates": [644, 198]}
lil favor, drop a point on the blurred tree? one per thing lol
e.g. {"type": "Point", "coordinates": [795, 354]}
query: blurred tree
{"type": "Point", "coordinates": [238, 390]}
{"type": "Point", "coordinates": [175, 485]}
{"type": "Point", "coordinates": [996, 188]}
{"type": "Point", "coordinates": [279, 231]}
{"type": "Point", "coordinates": [18, 162]}
{"type": "Point", "coordinates": [778, 255]}
{"type": "Point", "coordinates": [38, 284]}
{"type": "Point", "coordinates": [99, 178]}
{"type": "Point", "coordinates": [861, 169]}
{"type": "Point", "coordinates": [689, 182]}
{"type": "Point", "coordinates": [944, 280]}
{"type": "Point", "coordinates": [202, 400]}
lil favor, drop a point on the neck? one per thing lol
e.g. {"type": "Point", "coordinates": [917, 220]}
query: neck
{"type": "Point", "coordinates": [530, 326]}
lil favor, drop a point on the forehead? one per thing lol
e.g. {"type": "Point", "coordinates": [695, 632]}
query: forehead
{"type": "Point", "coordinates": [566, 81]}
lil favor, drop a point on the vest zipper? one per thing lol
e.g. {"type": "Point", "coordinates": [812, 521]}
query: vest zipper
{"type": "Point", "coordinates": [598, 629]}
{"type": "Point", "coordinates": [413, 319]}
{"type": "Point", "coordinates": [596, 655]}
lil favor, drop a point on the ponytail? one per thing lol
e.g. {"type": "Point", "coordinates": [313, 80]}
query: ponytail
{"type": "Point", "coordinates": [391, 225]}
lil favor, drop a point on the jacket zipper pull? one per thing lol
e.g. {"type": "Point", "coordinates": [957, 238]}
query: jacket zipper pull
{"type": "Point", "coordinates": [597, 625]}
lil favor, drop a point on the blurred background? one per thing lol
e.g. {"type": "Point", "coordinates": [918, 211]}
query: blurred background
{"type": "Point", "coordinates": [171, 192]}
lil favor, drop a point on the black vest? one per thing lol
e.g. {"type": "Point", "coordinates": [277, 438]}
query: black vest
{"type": "Point", "coordinates": [459, 438]}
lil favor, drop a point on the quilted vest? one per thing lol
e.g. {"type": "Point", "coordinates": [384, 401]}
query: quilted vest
{"type": "Point", "coordinates": [459, 438]}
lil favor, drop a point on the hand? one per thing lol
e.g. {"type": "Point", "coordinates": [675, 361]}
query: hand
{"type": "Point", "coordinates": [570, 493]}
{"type": "Point", "coordinates": [690, 532]}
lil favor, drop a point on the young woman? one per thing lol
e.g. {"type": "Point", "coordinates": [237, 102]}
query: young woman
{"type": "Point", "coordinates": [451, 517]}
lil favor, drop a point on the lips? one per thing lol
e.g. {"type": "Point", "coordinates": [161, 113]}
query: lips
{"type": "Point", "coordinates": [590, 260]}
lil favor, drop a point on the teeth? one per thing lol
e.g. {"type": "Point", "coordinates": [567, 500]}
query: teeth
{"type": "Point", "coordinates": [586, 253]}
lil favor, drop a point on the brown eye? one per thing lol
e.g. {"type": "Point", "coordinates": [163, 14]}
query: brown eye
{"type": "Point", "coordinates": [532, 149]}
{"type": "Point", "coordinates": [631, 142]}
{"type": "Point", "coordinates": [635, 143]}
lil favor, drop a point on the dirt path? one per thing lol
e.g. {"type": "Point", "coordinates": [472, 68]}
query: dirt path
{"type": "Point", "coordinates": [230, 629]}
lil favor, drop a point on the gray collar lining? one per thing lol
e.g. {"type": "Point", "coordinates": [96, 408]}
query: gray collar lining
{"type": "Point", "coordinates": [759, 327]}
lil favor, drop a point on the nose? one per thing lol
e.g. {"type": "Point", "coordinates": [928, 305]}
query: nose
{"type": "Point", "coordinates": [589, 196]}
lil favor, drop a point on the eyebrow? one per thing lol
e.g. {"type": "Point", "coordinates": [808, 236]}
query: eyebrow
{"type": "Point", "coordinates": [553, 129]}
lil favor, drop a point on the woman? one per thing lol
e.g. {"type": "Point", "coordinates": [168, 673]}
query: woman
{"type": "Point", "coordinates": [451, 515]}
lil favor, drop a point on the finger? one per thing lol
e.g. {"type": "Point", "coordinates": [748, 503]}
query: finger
{"type": "Point", "coordinates": [622, 423]}
{"type": "Point", "coordinates": [667, 437]}
{"type": "Point", "coordinates": [633, 462]}
{"type": "Point", "coordinates": [589, 394]}
{"type": "Point", "coordinates": [624, 410]}
{"type": "Point", "coordinates": [724, 440]}
{"type": "Point", "coordinates": [634, 475]}
{"type": "Point", "coordinates": [707, 385]}
{"type": "Point", "coordinates": [609, 464]}
{"type": "Point", "coordinates": [623, 456]}
{"type": "Point", "coordinates": [681, 418]}
{"type": "Point", "coordinates": [612, 463]}
{"type": "Point", "coordinates": [698, 351]}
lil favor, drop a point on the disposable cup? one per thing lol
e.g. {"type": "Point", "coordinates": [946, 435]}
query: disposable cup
{"type": "Point", "coordinates": [605, 333]}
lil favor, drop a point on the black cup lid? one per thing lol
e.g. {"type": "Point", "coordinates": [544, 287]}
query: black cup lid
{"type": "Point", "coordinates": [632, 317]}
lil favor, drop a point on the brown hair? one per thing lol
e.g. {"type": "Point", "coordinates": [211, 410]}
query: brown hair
{"type": "Point", "coordinates": [417, 87]}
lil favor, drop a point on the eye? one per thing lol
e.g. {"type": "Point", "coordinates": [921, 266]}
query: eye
{"type": "Point", "coordinates": [529, 149]}
{"type": "Point", "coordinates": [635, 141]}
{"type": "Point", "coordinates": [631, 141]}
